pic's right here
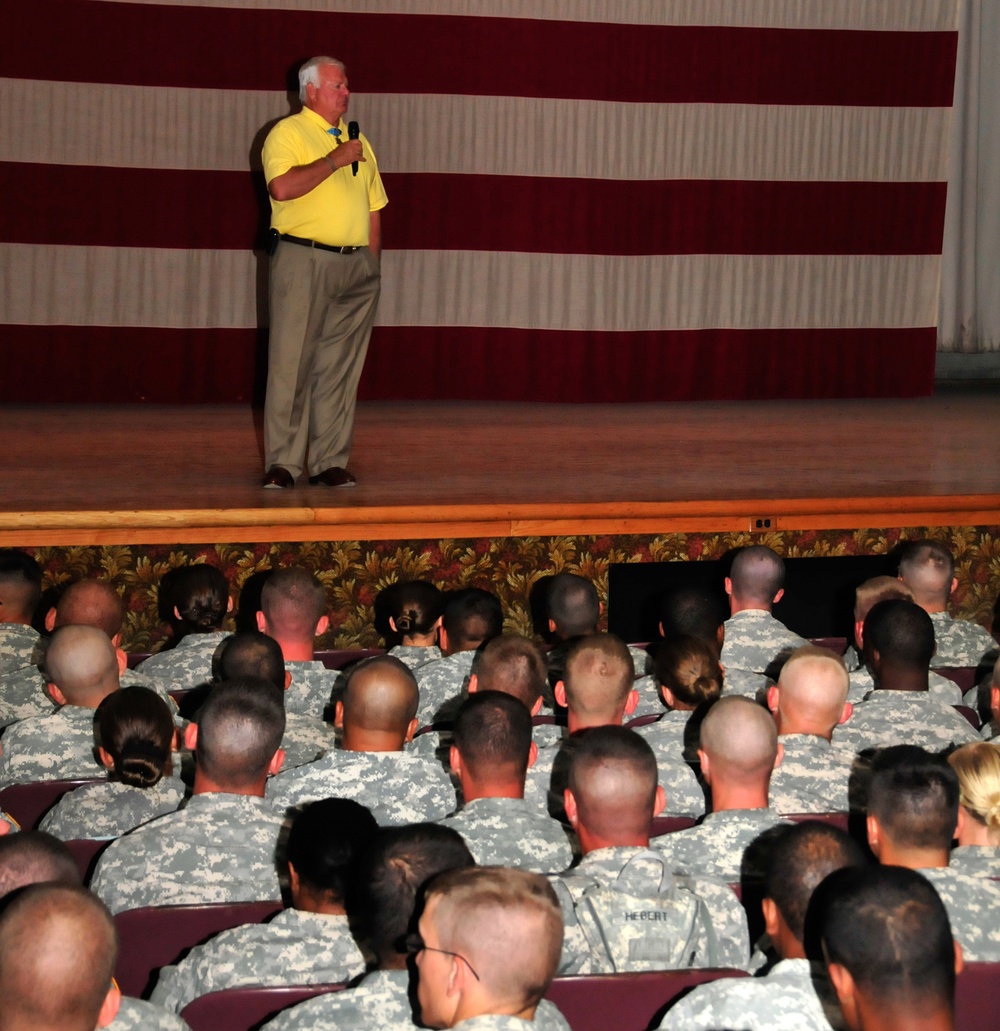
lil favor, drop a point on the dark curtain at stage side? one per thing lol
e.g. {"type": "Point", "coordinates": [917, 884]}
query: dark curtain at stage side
{"type": "Point", "coordinates": [744, 203]}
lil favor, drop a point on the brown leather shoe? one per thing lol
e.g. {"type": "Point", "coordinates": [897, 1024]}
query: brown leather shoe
{"type": "Point", "coordinates": [277, 478]}
{"type": "Point", "coordinates": [333, 477]}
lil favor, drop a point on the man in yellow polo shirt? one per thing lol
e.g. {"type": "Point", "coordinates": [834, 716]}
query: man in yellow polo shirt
{"type": "Point", "coordinates": [326, 198]}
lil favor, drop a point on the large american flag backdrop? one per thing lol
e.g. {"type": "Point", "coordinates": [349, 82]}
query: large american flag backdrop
{"type": "Point", "coordinates": [589, 199]}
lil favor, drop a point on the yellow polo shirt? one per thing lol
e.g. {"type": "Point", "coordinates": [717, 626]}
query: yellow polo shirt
{"type": "Point", "coordinates": [337, 211]}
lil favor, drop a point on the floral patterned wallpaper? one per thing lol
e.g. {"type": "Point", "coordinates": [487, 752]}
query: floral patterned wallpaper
{"type": "Point", "coordinates": [355, 571]}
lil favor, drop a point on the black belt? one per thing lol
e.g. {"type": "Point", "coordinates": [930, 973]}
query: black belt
{"type": "Point", "coordinates": [319, 246]}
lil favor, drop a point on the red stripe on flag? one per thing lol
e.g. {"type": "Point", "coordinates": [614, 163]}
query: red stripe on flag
{"type": "Point", "coordinates": [128, 207]}
{"type": "Point", "coordinates": [95, 364]}
{"type": "Point", "coordinates": [231, 48]}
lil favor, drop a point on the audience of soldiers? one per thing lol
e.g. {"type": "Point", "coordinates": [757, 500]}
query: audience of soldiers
{"type": "Point", "coordinates": [454, 823]}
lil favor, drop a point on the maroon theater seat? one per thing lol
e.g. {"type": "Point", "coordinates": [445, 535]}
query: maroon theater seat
{"type": "Point", "coordinates": [240, 1009]}
{"type": "Point", "coordinates": [669, 824]}
{"type": "Point", "coordinates": [85, 852]}
{"type": "Point", "coordinates": [976, 996]}
{"type": "Point", "coordinates": [28, 803]}
{"type": "Point", "coordinates": [155, 936]}
{"type": "Point", "coordinates": [340, 657]}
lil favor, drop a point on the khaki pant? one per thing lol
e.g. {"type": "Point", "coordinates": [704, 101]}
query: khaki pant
{"type": "Point", "coordinates": [322, 309]}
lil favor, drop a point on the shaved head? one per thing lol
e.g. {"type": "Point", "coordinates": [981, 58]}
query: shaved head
{"type": "Point", "coordinates": [506, 923]}
{"type": "Point", "coordinates": [293, 601]}
{"type": "Point", "coordinates": [513, 665]}
{"type": "Point", "coordinates": [91, 603]}
{"type": "Point", "coordinates": [812, 690]}
{"type": "Point", "coordinates": [57, 954]}
{"type": "Point", "coordinates": [757, 574]}
{"type": "Point", "coordinates": [381, 696]}
{"type": "Point", "coordinates": [613, 778]}
{"type": "Point", "coordinates": [34, 857]}
{"type": "Point", "coordinates": [927, 568]}
{"type": "Point", "coordinates": [740, 738]}
{"type": "Point", "coordinates": [598, 678]}
{"type": "Point", "coordinates": [81, 661]}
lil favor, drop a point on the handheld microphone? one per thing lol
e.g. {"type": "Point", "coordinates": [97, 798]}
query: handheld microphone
{"type": "Point", "coordinates": [352, 134]}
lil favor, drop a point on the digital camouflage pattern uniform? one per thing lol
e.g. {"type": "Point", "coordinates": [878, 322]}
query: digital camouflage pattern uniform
{"type": "Point", "coordinates": [379, 1002]}
{"type": "Point", "coordinates": [218, 848]}
{"type": "Point", "coordinates": [940, 688]}
{"type": "Point", "coordinates": [59, 746]}
{"type": "Point", "coordinates": [784, 999]}
{"type": "Point", "coordinates": [109, 808]}
{"type": "Point", "coordinates": [23, 694]}
{"type": "Point", "coordinates": [666, 735]}
{"type": "Point", "coordinates": [552, 1021]}
{"type": "Point", "coordinates": [512, 832]}
{"type": "Point", "coordinates": [754, 639]}
{"type": "Point", "coordinates": [641, 872]}
{"type": "Point", "coordinates": [548, 779]}
{"type": "Point", "coordinates": [441, 681]}
{"type": "Point", "coordinates": [19, 646]}
{"type": "Point", "coordinates": [396, 787]}
{"type": "Point", "coordinates": [187, 664]}
{"type": "Point", "coordinates": [812, 777]}
{"type": "Point", "coordinates": [972, 904]}
{"type": "Point", "coordinates": [960, 642]}
{"type": "Point", "coordinates": [136, 1015]}
{"type": "Point", "coordinates": [292, 948]}
{"type": "Point", "coordinates": [311, 688]}
{"type": "Point", "coordinates": [976, 860]}
{"type": "Point", "coordinates": [715, 847]}
{"type": "Point", "coordinates": [903, 717]}
{"type": "Point", "coordinates": [415, 655]}
{"type": "Point", "coordinates": [305, 739]}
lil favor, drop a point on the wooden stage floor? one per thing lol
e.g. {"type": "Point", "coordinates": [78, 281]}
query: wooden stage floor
{"type": "Point", "coordinates": [157, 474]}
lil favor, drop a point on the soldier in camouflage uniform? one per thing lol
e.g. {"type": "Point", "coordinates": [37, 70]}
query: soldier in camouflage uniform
{"type": "Point", "coordinates": [136, 732]}
{"type": "Point", "coordinates": [201, 600]}
{"type": "Point", "coordinates": [20, 593]}
{"type": "Point", "coordinates": [471, 618]}
{"type": "Point", "coordinates": [809, 700]}
{"type": "Point", "coordinates": [928, 569]}
{"type": "Point", "coordinates": [413, 611]}
{"type": "Point", "coordinates": [252, 654]}
{"type": "Point", "coordinates": [508, 663]}
{"type": "Point", "coordinates": [978, 769]}
{"type": "Point", "coordinates": [622, 907]}
{"type": "Point", "coordinates": [293, 610]}
{"type": "Point", "coordinates": [83, 670]}
{"type": "Point", "coordinates": [886, 942]}
{"type": "Point", "coordinates": [57, 953]}
{"type": "Point", "coordinates": [867, 595]}
{"type": "Point", "coordinates": [898, 645]}
{"type": "Point", "coordinates": [466, 978]}
{"type": "Point", "coordinates": [739, 749]}
{"type": "Point", "coordinates": [309, 943]}
{"type": "Point", "coordinates": [754, 638]}
{"type": "Point", "coordinates": [793, 995]}
{"type": "Point", "coordinates": [377, 717]}
{"type": "Point", "coordinates": [690, 679]}
{"type": "Point", "coordinates": [597, 690]}
{"type": "Point", "coordinates": [220, 847]}
{"type": "Point", "coordinates": [392, 868]}
{"type": "Point", "coordinates": [490, 757]}
{"type": "Point", "coordinates": [913, 802]}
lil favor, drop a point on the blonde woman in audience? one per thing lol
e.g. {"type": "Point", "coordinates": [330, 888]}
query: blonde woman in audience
{"type": "Point", "coordinates": [201, 601]}
{"type": "Point", "coordinates": [136, 734]}
{"type": "Point", "coordinates": [978, 833]}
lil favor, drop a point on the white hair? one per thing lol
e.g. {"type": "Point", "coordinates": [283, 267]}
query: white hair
{"type": "Point", "coordinates": [309, 73]}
